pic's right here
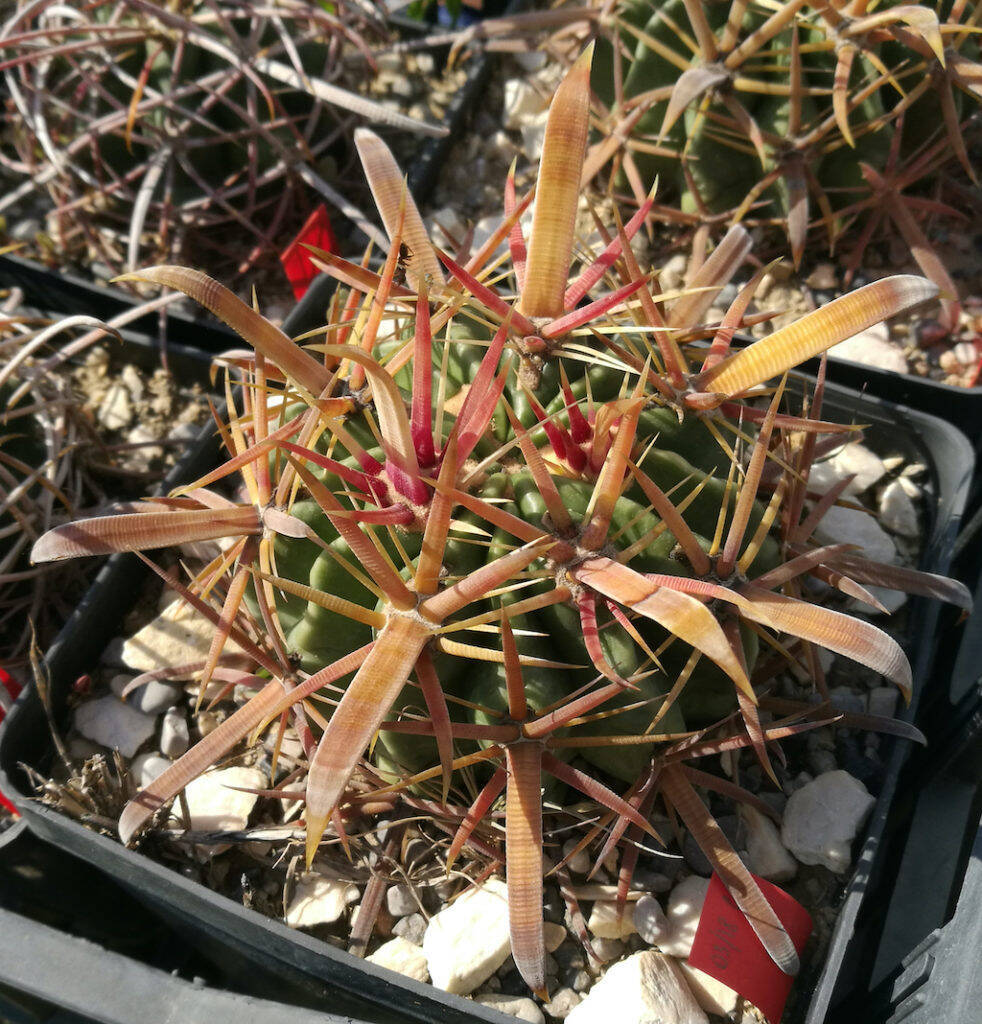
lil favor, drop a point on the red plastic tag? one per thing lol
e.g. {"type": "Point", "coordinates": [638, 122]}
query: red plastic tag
{"type": "Point", "coordinates": [11, 690]}
{"type": "Point", "coordinates": [727, 948]}
{"type": "Point", "coordinates": [300, 271]}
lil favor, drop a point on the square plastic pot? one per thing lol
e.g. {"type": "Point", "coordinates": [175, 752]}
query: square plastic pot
{"type": "Point", "coordinates": [253, 947]}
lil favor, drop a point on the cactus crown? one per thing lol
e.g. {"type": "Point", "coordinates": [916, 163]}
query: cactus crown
{"type": "Point", "coordinates": [484, 526]}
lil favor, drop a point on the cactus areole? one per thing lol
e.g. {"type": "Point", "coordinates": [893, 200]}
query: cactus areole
{"type": "Point", "coordinates": [440, 571]}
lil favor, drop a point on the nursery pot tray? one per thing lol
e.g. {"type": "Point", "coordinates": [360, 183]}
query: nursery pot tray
{"type": "Point", "coordinates": [257, 949]}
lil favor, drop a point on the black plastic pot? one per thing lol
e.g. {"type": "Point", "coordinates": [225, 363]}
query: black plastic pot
{"type": "Point", "coordinates": [51, 971]}
{"type": "Point", "coordinates": [254, 949]}
{"type": "Point", "coordinates": [64, 293]}
{"type": "Point", "coordinates": [959, 406]}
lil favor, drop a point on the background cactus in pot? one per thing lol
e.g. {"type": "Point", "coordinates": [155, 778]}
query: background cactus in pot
{"type": "Point", "coordinates": [523, 527]}
{"type": "Point", "coordinates": [163, 130]}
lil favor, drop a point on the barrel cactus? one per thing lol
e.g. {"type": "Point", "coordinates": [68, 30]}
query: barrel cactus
{"type": "Point", "coordinates": [160, 130]}
{"type": "Point", "coordinates": [517, 533]}
{"type": "Point", "coordinates": [787, 113]}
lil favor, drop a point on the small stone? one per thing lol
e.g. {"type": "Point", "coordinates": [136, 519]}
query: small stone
{"type": "Point", "coordinates": [766, 854]}
{"type": "Point", "coordinates": [154, 697]}
{"type": "Point", "coordinates": [857, 460]}
{"type": "Point", "coordinates": [712, 995]}
{"type": "Point", "coordinates": [822, 278]}
{"type": "Point", "coordinates": [823, 817]}
{"type": "Point", "coordinates": [174, 734]}
{"type": "Point", "coordinates": [847, 700]}
{"type": "Point", "coordinates": [177, 637]}
{"type": "Point", "coordinates": [562, 1003]}
{"type": "Point", "coordinates": [882, 701]}
{"type": "Point", "coordinates": [522, 102]}
{"type": "Point", "coordinates": [555, 936]}
{"type": "Point", "coordinates": [484, 229]}
{"type": "Point", "coordinates": [185, 432]}
{"type": "Point", "coordinates": [130, 376]}
{"type": "Point", "coordinates": [966, 353]}
{"type": "Point", "coordinates": [650, 921]}
{"type": "Point", "coordinates": [533, 134]}
{"type": "Point", "coordinates": [684, 910]}
{"type": "Point", "coordinates": [515, 1006]}
{"type": "Point", "coordinates": [581, 980]}
{"type": "Point", "coordinates": [318, 899]}
{"type": "Point", "coordinates": [411, 928]}
{"type": "Point", "coordinates": [116, 410]}
{"type": "Point", "coordinates": [607, 949]}
{"type": "Point", "coordinates": [671, 275]}
{"type": "Point", "coordinates": [469, 940]}
{"type": "Point", "coordinates": [646, 988]}
{"type": "Point", "coordinates": [872, 348]}
{"type": "Point", "coordinates": [402, 957]}
{"type": "Point", "coordinates": [579, 863]}
{"type": "Point", "coordinates": [608, 920]}
{"type": "Point", "coordinates": [214, 806]}
{"type": "Point", "coordinates": [842, 525]}
{"type": "Point", "coordinates": [401, 901]}
{"type": "Point", "coordinates": [897, 511]}
{"type": "Point", "coordinates": [147, 767]}
{"type": "Point", "coordinates": [111, 723]}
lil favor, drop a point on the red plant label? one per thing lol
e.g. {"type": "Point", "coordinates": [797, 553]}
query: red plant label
{"type": "Point", "coordinates": [297, 264]}
{"type": "Point", "coordinates": [727, 948]}
{"type": "Point", "coordinates": [10, 691]}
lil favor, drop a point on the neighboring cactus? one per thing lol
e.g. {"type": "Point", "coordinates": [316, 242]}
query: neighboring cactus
{"type": "Point", "coordinates": [787, 113]}
{"type": "Point", "coordinates": [429, 475]}
{"type": "Point", "coordinates": [162, 130]}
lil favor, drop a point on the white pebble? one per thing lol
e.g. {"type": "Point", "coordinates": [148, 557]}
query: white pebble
{"type": "Point", "coordinates": [897, 511]}
{"type": "Point", "coordinates": [650, 921]}
{"type": "Point", "coordinates": [646, 988]}
{"type": "Point", "coordinates": [214, 806]}
{"type": "Point", "coordinates": [469, 940]}
{"type": "Point", "coordinates": [684, 910]}
{"type": "Point", "coordinates": [111, 723]}
{"type": "Point", "coordinates": [608, 920]}
{"type": "Point", "coordinates": [147, 767]}
{"type": "Point", "coordinates": [822, 818]}
{"type": "Point", "coordinates": [766, 854]}
{"type": "Point", "coordinates": [174, 734]}
{"type": "Point", "coordinates": [520, 1007]}
{"type": "Point", "coordinates": [318, 899]}
{"type": "Point", "coordinates": [178, 636]}
{"type": "Point", "coordinates": [402, 957]}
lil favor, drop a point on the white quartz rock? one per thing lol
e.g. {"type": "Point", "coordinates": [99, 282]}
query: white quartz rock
{"type": "Point", "coordinates": [897, 511]}
{"type": "Point", "coordinates": [403, 957]}
{"type": "Point", "coordinates": [712, 995]}
{"type": "Point", "coordinates": [851, 526]}
{"type": "Point", "coordinates": [113, 724]}
{"type": "Point", "coordinates": [857, 460]}
{"type": "Point", "coordinates": [215, 807]}
{"type": "Point", "coordinates": [519, 1007]}
{"type": "Point", "coordinates": [179, 635]}
{"type": "Point", "coordinates": [650, 921]}
{"type": "Point", "coordinates": [872, 348]}
{"type": "Point", "coordinates": [319, 899]}
{"type": "Point", "coordinates": [468, 941]}
{"type": "Point", "coordinates": [822, 818]}
{"type": "Point", "coordinates": [684, 910]}
{"type": "Point", "coordinates": [766, 854]}
{"type": "Point", "coordinates": [522, 103]}
{"type": "Point", "coordinates": [646, 988]}
{"type": "Point", "coordinates": [148, 767]}
{"type": "Point", "coordinates": [607, 921]}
